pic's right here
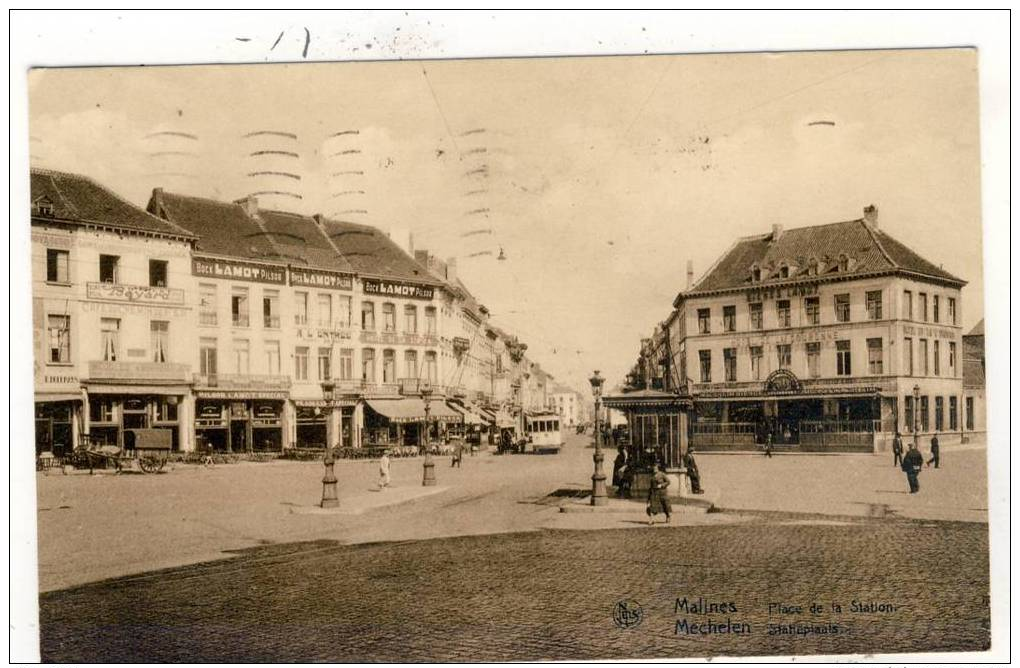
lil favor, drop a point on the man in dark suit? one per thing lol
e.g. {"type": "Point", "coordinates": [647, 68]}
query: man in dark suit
{"type": "Point", "coordinates": [934, 451]}
{"type": "Point", "coordinates": [897, 450]}
{"type": "Point", "coordinates": [692, 471]}
{"type": "Point", "coordinates": [913, 462]}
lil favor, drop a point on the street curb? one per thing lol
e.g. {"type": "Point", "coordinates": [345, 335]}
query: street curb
{"type": "Point", "coordinates": [682, 505]}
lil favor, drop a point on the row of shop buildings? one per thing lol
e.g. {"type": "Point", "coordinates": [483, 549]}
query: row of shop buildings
{"type": "Point", "coordinates": [239, 328]}
{"type": "Point", "coordinates": [826, 338]}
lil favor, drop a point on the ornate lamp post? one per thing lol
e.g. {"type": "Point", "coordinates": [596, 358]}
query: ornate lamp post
{"type": "Point", "coordinates": [598, 479]}
{"type": "Point", "coordinates": [917, 414]}
{"type": "Point", "coordinates": [329, 498]}
{"type": "Point", "coordinates": [428, 477]}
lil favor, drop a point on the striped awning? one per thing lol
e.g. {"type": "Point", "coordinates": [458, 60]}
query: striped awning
{"type": "Point", "coordinates": [412, 409]}
{"type": "Point", "coordinates": [469, 416]}
{"type": "Point", "coordinates": [41, 397]}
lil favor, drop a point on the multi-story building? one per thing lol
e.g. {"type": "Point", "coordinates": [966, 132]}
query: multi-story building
{"type": "Point", "coordinates": [818, 335]}
{"type": "Point", "coordinates": [113, 323]}
{"type": "Point", "coordinates": [974, 382]}
{"type": "Point", "coordinates": [568, 404]}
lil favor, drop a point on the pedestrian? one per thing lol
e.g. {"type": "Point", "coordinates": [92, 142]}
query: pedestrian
{"type": "Point", "coordinates": [768, 445]}
{"type": "Point", "coordinates": [934, 451]}
{"type": "Point", "coordinates": [618, 465]}
{"type": "Point", "coordinates": [913, 461]}
{"type": "Point", "coordinates": [458, 455]}
{"type": "Point", "coordinates": [658, 500]}
{"type": "Point", "coordinates": [384, 470]}
{"type": "Point", "coordinates": [897, 450]}
{"type": "Point", "coordinates": [692, 471]}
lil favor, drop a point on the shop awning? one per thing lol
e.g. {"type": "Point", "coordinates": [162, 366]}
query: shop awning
{"type": "Point", "coordinates": [412, 409]}
{"type": "Point", "coordinates": [470, 417]}
{"type": "Point", "coordinates": [57, 396]}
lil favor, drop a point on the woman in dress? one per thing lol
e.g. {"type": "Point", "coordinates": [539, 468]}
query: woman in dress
{"type": "Point", "coordinates": [658, 501]}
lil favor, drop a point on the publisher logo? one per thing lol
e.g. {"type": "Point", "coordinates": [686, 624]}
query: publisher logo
{"type": "Point", "coordinates": [627, 613]}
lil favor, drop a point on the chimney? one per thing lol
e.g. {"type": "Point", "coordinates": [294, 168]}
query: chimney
{"type": "Point", "coordinates": [318, 218]}
{"type": "Point", "coordinates": [690, 274]}
{"type": "Point", "coordinates": [451, 270]}
{"type": "Point", "coordinates": [250, 204]}
{"type": "Point", "coordinates": [777, 231]}
{"type": "Point", "coordinates": [871, 215]}
{"type": "Point", "coordinates": [410, 244]}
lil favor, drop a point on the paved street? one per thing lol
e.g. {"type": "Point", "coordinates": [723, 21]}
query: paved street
{"type": "Point", "coordinates": [547, 595]}
{"type": "Point", "coordinates": [95, 527]}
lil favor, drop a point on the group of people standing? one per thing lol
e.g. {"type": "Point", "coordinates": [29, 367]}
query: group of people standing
{"type": "Point", "coordinates": [625, 469]}
{"type": "Point", "coordinates": [912, 462]}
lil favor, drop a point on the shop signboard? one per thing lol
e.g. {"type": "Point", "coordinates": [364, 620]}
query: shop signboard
{"type": "Point", "coordinates": [765, 293]}
{"type": "Point", "coordinates": [383, 288]}
{"type": "Point", "coordinates": [238, 271]}
{"type": "Point", "coordinates": [318, 278]}
{"type": "Point", "coordinates": [145, 294]}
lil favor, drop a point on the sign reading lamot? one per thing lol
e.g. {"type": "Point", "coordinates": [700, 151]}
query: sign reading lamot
{"type": "Point", "coordinates": [316, 278]}
{"type": "Point", "coordinates": [241, 271]}
{"type": "Point", "coordinates": [397, 289]}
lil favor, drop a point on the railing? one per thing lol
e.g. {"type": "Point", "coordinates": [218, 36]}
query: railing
{"type": "Point", "coordinates": [840, 426]}
{"type": "Point", "coordinates": [243, 381]}
{"type": "Point", "coordinates": [723, 433]}
{"type": "Point", "coordinates": [301, 320]}
{"type": "Point", "coordinates": [394, 338]}
{"type": "Point", "coordinates": [271, 322]}
{"type": "Point", "coordinates": [848, 434]}
{"type": "Point", "coordinates": [207, 318]}
{"type": "Point", "coordinates": [239, 319]}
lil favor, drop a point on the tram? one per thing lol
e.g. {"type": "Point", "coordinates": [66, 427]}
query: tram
{"type": "Point", "coordinates": [543, 432]}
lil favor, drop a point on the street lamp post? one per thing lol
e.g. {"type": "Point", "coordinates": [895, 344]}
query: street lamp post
{"type": "Point", "coordinates": [428, 477]}
{"type": "Point", "coordinates": [598, 479]}
{"type": "Point", "coordinates": [917, 415]}
{"type": "Point", "coordinates": [329, 482]}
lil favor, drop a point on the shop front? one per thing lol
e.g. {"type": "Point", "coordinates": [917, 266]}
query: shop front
{"type": "Point", "coordinates": [403, 421]}
{"type": "Point", "coordinates": [112, 415]}
{"type": "Point", "coordinates": [57, 422]}
{"type": "Point", "coordinates": [239, 424]}
{"type": "Point", "coordinates": [316, 420]}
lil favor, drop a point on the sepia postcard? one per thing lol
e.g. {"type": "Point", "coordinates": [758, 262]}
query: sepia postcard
{"type": "Point", "coordinates": [587, 357]}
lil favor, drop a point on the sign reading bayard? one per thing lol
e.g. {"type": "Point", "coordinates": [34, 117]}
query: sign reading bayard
{"type": "Point", "coordinates": [241, 271]}
{"type": "Point", "coordinates": [317, 278]}
{"type": "Point", "coordinates": [397, 289]}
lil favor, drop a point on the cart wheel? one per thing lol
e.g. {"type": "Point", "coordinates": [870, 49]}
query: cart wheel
{"type": "Point", "coordinates": [148, 465]}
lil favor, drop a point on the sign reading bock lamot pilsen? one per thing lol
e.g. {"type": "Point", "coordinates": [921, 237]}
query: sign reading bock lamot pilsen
{"type": "Point", "coordinates": [240, 271]}
{"type": "Point", "coordinates": [317, 278]}
{"type": "Point", "coordinates": [397, 289]}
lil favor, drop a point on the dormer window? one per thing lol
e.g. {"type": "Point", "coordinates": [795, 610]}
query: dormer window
{"type": "Point", "coordinates": [844, 262]}
{"type": "Point", "coordinates": [812, 267]}
{"type": "Point", "coordinates": [784, 270]}
{"type": "Point", "coordinates": [43, 207]}
{"type": "Point", "coordinates": [755, 273]}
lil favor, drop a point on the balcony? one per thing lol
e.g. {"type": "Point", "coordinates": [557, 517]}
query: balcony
{"type": "Point", "coordinates": [208, 318]}
{"type": "Point", "coordinates": [271, 321]}
{"type": "Point", "coordinates": [401, 339]}
{"type": "Point", "coordinates": [239, 320]}
{"type": "Point", "coordinates": [135, 372]}
{"type": "Point", "coordinates": [243, 381]}
{"type": "Point", "coordinates": [136, 294]}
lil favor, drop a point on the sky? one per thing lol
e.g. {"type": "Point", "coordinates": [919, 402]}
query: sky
{"type": "Point", "coordinates": [597, 177]}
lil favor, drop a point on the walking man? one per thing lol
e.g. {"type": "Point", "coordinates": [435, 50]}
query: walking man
{"type": "Point", "coordinates": [913, 462]}
{"type": "Point", "coordinates": [384, 470]}
{"type": "Point", "coordinates": [768, 445]}
{"type": "Point", "coordinates": [934, 451]}
{"type": "Point", "coordinates": [458, 455]}
{"type": "Point", "coordinates": [897, 450]}
{"type": "Point", "coordinates": [692, 471]}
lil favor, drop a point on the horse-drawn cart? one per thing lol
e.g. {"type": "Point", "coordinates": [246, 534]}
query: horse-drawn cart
{"type": "Point", "coordinates": [146, 448]}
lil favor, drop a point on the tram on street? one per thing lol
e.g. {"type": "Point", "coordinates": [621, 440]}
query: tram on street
{"type": "Point", "coordinates": [544, 432]}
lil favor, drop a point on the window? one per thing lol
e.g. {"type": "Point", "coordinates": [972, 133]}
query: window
{"type": "Point", "coordinates": [908, 356]}
{"type": "Point", "coordinates": [430, 320]}
{"type": "Point", "coordinates": [431, 372]}
{"type": "Point", "coordinates": [814, 353]}
{"type": "Point", "coordinates": [59, 334]}
{"type": "Point", "coordinates": [272, 349]}
{"type": "Point", "coordinates": [300, 308]}
{"type": "Point", "coordinates": [952, 358]}
{"type": "Point", "coordinates": [811, 310]}
{"type": "Point", "coordinates": [166, 411]}
{"type": "Point", "coordinates": [783, 312]}
{"type": "Point", "coordinates": [411, 319]}
{"type": "Point", "coordinates": [346, 363]}
{"type": "Point", "coordinates": [242, 350]}
{"type": "Point", "coordinates": [844, 262]}
{"type": "Point", "coordinates": [729, 318]}
{"type": "Point", "coordinates": [704, 317]}
{"type": "Point", "coordinates": [951, 307]}
{"type": "Point", "coordinates": [970, 413]}
{"type": "Point", "coordinates": [160, 333]}
{"type": "Point", "coordinates": [271, 309]}
{"type": "Point", "coordinates": [952, 414]}
{"type": "Point", "coordinates": [110, 338]}
{"type": "Point", "coordinates": [755, 312]}
{"type": "Point", "coordinates": [875, 356]}
{"type": "Point", "coordinates": [935, 308]}
{"type": "Point", "coordinates": [756, 362]}
{"type": "Point", "coordinates": [939, 401]}
{"type": "Point", "coordinates": [101, 410]}
{"type": "Point", "coordinates": [908, 305]}
{"type": "Point", "coordinates": [389, 366]}
{"type": "Point", "coordinates": [368, 365]}
{"type": "Point", "coordinates": [325, 363]}
{"type": "Point", "coordinates": [58, 264]}
{"type": "Point", "coordinates": [343, 310]}
{"type": "Point", "coordinates": [922, 354]}
{"type": "Point", "coordinates": [108, 268]}
{"type": "Point", "coordinates": [499, 363]}
{"type": "Point", "coordinates": [873, 299]}
{"type": "Point", "coordinates": [325, 310]}
{"type": "Point", "coordinates": [935, 349]}
{"type": "Point", "coordinates": [157, 273]}
{"type": "Point", "coordinates": [368, 316]}
{"type": "Point", "coordinates": [922, 305]}
{"type": "Point", "coordinates": [207, 356]}
{"type": "Point", "coordinates": [239, 307]}
{"type": "Point", "coordinates": [207, 304]}
{"type": "Point", "coordinates": [842, 358]}
{"type": "Point", "coordinates": [755, 273]}
{"type": "Point", "coordinates": [410, 364]}
{"type": "Point", "coordinates": [389, 313]}
{"type": "Point", "coordinates": [924, 414]}
{"type": "Point", "coordinates": [301, 363]}
{"type": "Point", "coordinates": [784, 271]}
{"type": "Point", "coordinates": [783, 355]}
{"type": "Point", "coordinates": [908, 412]}
{"type": "Point", "coordinates": [842, 306]}
{"type": "Point", "coordinates": [705, 357]}
{"type": "Point", "coordinates": [730, 364]}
